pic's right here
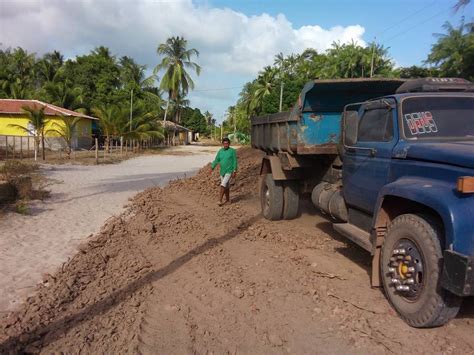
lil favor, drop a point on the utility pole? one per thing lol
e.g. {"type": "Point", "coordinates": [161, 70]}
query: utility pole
{"type": "Point", "coordinates": [372, 59]}
{"type": "Point", "coordinates": [281, 95]}
{"type": "Point", "coordinates": [235, 124]}
{"type": "Point", "coordinates": [222, 131]}
{"type": "Point", "coordinates": [131, 108]}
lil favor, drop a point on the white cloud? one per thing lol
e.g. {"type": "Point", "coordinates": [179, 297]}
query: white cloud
{"type": "Point", "coordinates": [231, 43]}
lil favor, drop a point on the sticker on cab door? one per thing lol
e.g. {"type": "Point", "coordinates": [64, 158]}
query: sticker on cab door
{"type": "Point", "coordinates": [420, 123]}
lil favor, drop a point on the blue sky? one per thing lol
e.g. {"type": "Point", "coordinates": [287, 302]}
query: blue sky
{"type": "Point", "coordinates": [406, 26]}
{"type": "Point", "coordinates": [236, 38]}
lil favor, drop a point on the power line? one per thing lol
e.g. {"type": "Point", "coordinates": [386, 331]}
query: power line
{"type": "Point", "coordinates": [406, 18]}
{"type": "Point", "coordinates": [416, 25]}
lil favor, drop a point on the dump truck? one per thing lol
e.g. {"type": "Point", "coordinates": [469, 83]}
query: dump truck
{"type": "Point", "coordinates": [391, 164]}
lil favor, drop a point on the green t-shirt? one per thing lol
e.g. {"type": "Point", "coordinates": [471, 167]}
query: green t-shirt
{"type": "Point", "coordinates": [227, 158]}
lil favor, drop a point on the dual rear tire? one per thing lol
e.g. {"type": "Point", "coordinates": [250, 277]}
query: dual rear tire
{"type": "Point", "coordinates": [279, 199]}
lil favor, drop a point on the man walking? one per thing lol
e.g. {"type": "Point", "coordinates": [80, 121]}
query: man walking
{"type": "Point", "coordinates": [227, 159]}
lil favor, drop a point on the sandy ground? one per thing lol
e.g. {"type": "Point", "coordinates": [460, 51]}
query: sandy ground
{"type": "Point", "coordinates": [82, 198]}
{"type": "Point", "coordinates": [176, 274]}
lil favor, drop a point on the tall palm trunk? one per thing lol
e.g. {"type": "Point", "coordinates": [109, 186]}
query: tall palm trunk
{"type": "Point", "coordinates": [37, 144]}
{"type": "Point", "coordinates": [42, 148]}
{"type": "Point", "coordinates": [164, 119]}
{"type": "Point", "coordinates": [167, 107]}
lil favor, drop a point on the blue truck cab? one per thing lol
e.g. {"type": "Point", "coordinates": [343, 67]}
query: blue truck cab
{"type": "Point", "coordinates": [395, 174]}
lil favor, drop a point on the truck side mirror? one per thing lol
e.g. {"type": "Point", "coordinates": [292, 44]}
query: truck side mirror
{"type": "Point", "coordinates": [351, 127]}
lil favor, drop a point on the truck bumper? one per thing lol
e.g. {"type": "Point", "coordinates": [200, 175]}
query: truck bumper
{"type": "Point", "coordinates": [458, 273]}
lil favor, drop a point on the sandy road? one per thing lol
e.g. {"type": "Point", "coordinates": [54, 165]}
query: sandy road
{"type": "Point", "coordinates": [82, 198]}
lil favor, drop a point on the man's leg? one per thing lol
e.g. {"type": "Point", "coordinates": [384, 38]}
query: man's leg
{"type": "Point", "coordinates": [227, 193]}
{"type": "Point", "coordinates": [221, 193]}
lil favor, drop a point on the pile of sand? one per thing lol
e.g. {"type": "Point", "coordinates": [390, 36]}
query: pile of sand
{"type": "Point", "coordinates": [109, 272]}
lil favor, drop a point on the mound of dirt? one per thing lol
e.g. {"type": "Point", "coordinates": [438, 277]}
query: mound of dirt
{"type": "Point", "coordinates": [106, 276]}
{"type": "Point", "coordinates": [176, 273]}
{"type": "Point", "coordinates": [245, 185]}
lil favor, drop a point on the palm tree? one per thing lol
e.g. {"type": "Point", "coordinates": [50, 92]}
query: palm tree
{"type": "Point", "coordinates": [63, 94]}
{"type": "Point", "coordinates": [453, 52]}
{"type": "Point", "coordinates": [133, 75]}
{"type": "Point", "coordinates": [17, 74]}
{"type": "Point", "coordinates": [108, 116]}
{"type": "Point", "coordinates": [67, 130]}
{"type": "Point", "coordinates": [460, 5]}
{"type": "Point", "coordinates": [38, 121]}
{"type": "Point", "coordinates": [144, 126]}
{"type": "Point", "coordinates": [279, 62]}
{"type": "Point", "coordinates": [177, 105]}
{"type": "Point", "coordinates": [48, 67]}
{"type": "Point", "coordinates": [264, 86]}
{"type": "Point", "coordinates": [176, 59]}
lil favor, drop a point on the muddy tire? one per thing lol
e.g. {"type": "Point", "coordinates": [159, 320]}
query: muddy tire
{"type": "Point", "coordinates": [291, 199]}
{"type": "Point", "coordinates": [411, 267]}
{"type": "Point", "coordinates": [271, 198]}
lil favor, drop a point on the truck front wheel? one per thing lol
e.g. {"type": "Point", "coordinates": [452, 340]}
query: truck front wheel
{"type": "Point", "coordinates": [411, 266]}
{"type": "Point", "coordinates": [271, 198]}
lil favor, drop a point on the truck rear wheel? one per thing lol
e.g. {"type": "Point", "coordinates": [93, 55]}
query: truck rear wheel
{"type": "Point", "coordinates": [291, 199]}
{"type": "Point", "coordinates": [271, 198]}
{"type": "Point", "coordinates": [411, 267]}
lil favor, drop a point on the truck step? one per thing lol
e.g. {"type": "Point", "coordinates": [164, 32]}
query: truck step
{"type": "Point", "coordinates": [357, 235]}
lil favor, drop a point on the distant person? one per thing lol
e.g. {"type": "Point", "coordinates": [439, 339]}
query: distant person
{"type": "Point", "coordinates": [227, 159]}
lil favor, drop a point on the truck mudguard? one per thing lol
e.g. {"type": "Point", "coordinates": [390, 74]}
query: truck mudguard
{"type": "Point", "coordinates": [456, 210]}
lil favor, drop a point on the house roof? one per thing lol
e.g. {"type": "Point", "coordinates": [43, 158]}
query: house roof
{"type": "Point", "coordinates": [168, 125]}
{"type": "Point", "coordinates": [14, 107]}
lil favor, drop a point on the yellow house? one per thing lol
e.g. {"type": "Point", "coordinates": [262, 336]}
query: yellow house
{"type": "Point", "coordinates": [12, 113]}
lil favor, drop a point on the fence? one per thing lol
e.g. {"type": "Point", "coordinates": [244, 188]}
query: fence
{"type": "Point", "coordinates": [23, 147]}
{"type": "Point", "coordinates": [16, 147]}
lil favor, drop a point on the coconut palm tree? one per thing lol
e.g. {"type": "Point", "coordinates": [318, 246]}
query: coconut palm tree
{"type": "Point", "coordinates": [133, 75]}
{"type": "Point", "coordinates": [17, 73]}
{"type": "Point", "coordinates": [67, 130]}
{"type": "Point", "coordinates": [176, 59]}
{"type": "Point", "coordinates": [108, 116]}
{"type": "Point", "coordinates": [264, 86]}
{"type": "Point", "coordinates": [178, 104]}
{"type": "Point", "coordinates": [64, 94]}
{"type": "Point", "coordinates": [460, 5]}
{"type": "Point", "coordinates": [48, 67]}
{"type": "Point", "coordinates": [454, 51]}
{"type": "Point", "coordinates": [279, 62]}
{"type": "Point", "coordinates": [37, 119]}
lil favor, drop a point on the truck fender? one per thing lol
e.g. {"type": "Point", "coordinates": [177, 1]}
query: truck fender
{"type": "Point", "coordinates": [424, 195]}
{"type": "Point", "coordinates": [272, 164]}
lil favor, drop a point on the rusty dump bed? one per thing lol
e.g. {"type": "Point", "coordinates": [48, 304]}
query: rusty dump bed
{"type": "Point", "coordinates": [313, 126]}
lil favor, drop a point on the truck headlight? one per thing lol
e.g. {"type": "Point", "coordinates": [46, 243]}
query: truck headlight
{"type": "Point", "coordinates": [465, 184]}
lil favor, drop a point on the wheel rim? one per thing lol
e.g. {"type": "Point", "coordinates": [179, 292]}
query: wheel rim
{"type": "Point", "coordinates": [406, 270]}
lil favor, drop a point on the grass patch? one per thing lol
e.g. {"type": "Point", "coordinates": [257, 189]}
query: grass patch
{"type": "Point", "coordinates": [20, 182]}
{"type": "Point", "coordinates": [22, 207]}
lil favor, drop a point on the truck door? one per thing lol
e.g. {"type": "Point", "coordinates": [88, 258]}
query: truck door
{"type": "Point", "coordinates": [366, 166]}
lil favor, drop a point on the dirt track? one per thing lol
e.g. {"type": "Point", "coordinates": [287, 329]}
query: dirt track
{"type": "Point", "coordinates": [178, 274]}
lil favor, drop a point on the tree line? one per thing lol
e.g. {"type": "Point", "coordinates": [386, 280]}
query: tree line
{"type": "Point", "coordinates": [276, 87]}
{"type": "Point", "coordinates": [111, 88]}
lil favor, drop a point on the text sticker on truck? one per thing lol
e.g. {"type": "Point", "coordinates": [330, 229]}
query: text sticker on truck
{"type": "Point", "coordinates": [420, 123]}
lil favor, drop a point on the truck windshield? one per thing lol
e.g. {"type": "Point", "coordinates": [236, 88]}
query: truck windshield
{"type": "Point", "coordinates": [438, 117]}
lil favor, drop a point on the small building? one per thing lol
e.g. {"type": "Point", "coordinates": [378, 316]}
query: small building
{"type": "Point", "coordinates": [182, 135]}
{"type": "Point", "coordinates": [12, 113]}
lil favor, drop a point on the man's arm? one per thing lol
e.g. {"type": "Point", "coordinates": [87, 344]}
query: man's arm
{"type": "Point", "coordinates": [216, 160]}
{"type": "Point", "coordinates": [234, 167]}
